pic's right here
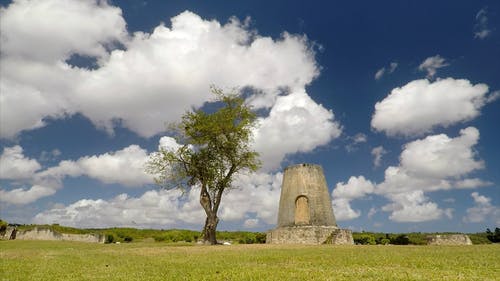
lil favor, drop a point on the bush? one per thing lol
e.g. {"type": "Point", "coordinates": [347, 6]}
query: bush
{"type": "Point", "coordinates": [493, 236]}
{"type": "Point", "coordinates": [128, 239]}
{"type": "Point", "coordinates": [364, 239]}
{"type": "Point", "coordinates": [110, 238]}
{"type": "Point", "coordinates": [479, 238]}
{"type": "Point", "coordinates": [400, 240]}
{"type": "Point", "coordinates": [385, 241]}
{"type": "Point", "coordinates": [3, 227]}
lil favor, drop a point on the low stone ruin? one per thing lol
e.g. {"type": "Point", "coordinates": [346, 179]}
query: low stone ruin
{"type": "Point", "coordinates": [12, 233]}
{"type": "Point", "coordinates": [449, 239]}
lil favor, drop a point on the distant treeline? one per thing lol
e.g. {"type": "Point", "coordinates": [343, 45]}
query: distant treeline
{"type": "Point", "coordinates": [413, 238]}
{"type": "Point", "coordinates": [121, 235]}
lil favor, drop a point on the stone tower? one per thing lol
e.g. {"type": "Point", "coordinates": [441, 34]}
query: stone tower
{"type": "Point", "coordinates": [305, 211]}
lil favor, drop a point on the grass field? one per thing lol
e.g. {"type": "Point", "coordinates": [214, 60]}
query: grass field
{"type": "Point", "coordinates": [50, 260]}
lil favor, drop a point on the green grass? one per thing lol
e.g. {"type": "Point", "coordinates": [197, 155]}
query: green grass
{"type": "Point", "coordinates": [54, 260]}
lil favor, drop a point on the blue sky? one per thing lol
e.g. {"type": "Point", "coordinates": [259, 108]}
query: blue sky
{"type": "Point", "coordinates": [398, 101]}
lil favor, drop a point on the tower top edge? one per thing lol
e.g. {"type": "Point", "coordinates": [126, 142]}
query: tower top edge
{"type": "Point", "coordinates": [304, 165]}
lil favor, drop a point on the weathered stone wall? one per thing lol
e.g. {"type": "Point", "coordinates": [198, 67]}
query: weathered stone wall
{"type": "Point", "coordinates": [449, 239]}
{"type": "Point", "coordinates": [305, 180]}
{"type": "Point", "coordinates": [47, 234]}
{"type": "Point", "coordinates": [313, 235]}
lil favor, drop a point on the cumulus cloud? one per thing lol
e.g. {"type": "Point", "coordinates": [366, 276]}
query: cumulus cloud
{"type": "Point", "coordinates": [437, 162]}
{"type": "Point", "coordinates": [414, 207]}
{"type": "Point", "coordinates": [356, 187]}
{"type": "Point", "coordinates": [255, 201]}
{"type": "Point", "coordinates": [377, 153]}
{"type": "Point", "coordinates": [295, 124]}
{"type": "Point", "coordinates": [21, 196]}
{"type": "Point", "coordinates": [482, 210]}
{"type": "Point", "coordinates": [439, 156]}
{"type": "Point", "coordinates": [390, 69]}
{"type": "Point", "coordinates": [15, 166]}
{"type": "Point", "coordinates": [153, 209]}
{"type": "Point", "coordinates": [432, 64]}
{"type": "Point", "coordinates": [125, 167]}
{"type": "Point", "coordinates": [421, 105]}
{"type": "Point", "coordinates": [355, 140]}
{"type": "Point", "coordinates": [481, 28]}
{"type": "Point", "coordinates": [38, 78]}
{"type": "Point", "coordinates": [162, 73]}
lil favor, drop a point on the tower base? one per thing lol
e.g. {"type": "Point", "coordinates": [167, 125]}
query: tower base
{"type": "Point", "coordinates": [312, 235]}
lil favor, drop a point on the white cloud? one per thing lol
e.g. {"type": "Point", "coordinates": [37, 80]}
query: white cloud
{"type": "Point", "coordinates": [251, 223]}
{"type": "Point", "coordinates": [356, 187]}
{"type": "Point", "coordinates": [372, 212]}
{"type": "Point", "coordinates": [437, 162]}
{"type": "Point", "coordinates": [295, 124]}
{"type": "Point", "coordinates": [257, 196]}
{"type": "Point", "coordinates": [481, 28]}
{"type": "Point", "coordinates": [125, 167]}
{"type": "Point", "coordinates": [390, 69]}
{"type": "Point", "coordinates": [153, 209]}
{"type": "Point", "coordinates": [432, 64]}
{"type": "Point", "coordinates": [89, 26]}
{"type": "Point", "coordinates": [343, 210]}
{"type": "Point", "coordinates": [359, 138]}
{"type": "Point", "coordinates": [482, 210]}
{"type": "Point", "coordinates": [15, 166]}
{"type": "Point", "coordinates": [163, 73]}
{"type": "Point", "coordinates": [38, 78]}
{"type": "Point", "coordinates": [355, 140]}
{"type": "Point", "coordinates": [420, 106]}
{"type": "Point", "coordinates": [379, 73]}
{"type": "Point", "coordinates": [439, 156]}
{"type": "Point", "coordinates": [377, 153]}
{"type": "Point", "coordinates": [412, 207]}
{"type": "Point", "coordinates": [20, 196]}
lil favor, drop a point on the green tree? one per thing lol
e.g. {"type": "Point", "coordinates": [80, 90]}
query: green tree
{"type": "Point", "coordinates": [215, 147]}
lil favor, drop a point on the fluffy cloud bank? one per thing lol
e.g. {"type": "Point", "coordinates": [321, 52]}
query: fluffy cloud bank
{"type": "Point", "coordinates": [437, 162]}
{"type": "Point", "coordinates": [295, 124]}
{"type": "Point", "coordinates": [482, 210]}
{"type": "Point", "coordinates": [344, 193]}
{"type": "Point", "coordinates": [254, 202]}
{"type": "Point", "coordinates": [15, 166]}
{"type": "Point", "coordinates": [125, 167]}
{"type": "Point", "coordinates": [421, 105]}
{"type": "Point", "coordinates": [153, 77]}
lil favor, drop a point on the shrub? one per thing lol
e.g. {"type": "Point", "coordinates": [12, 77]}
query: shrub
{"type": "Point", "coordinates": [385, 241]}
{"type": "Point", "coordinates": [479, 238]}
{"type": "Point", "coordinates": [128, 239]}
{"type": "Point", "coordinates": [364, 239]}
{"type": "Point", "coordinates": [493, 236]}
{"type": "Point", "coordinates": [400, 240]}
{"type": "Point", "coordinates": [110, 238]}
{"type": "Point", "coordinates": [3, 227]}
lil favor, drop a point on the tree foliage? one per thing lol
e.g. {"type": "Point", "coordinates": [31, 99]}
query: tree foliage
{"type": "Point", "coordinates": [215, 146]}
{"type": "Point", "coordinates": [493, 236]}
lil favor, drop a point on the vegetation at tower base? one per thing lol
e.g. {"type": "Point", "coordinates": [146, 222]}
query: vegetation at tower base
{"type": "Point", "coordinates": [215, 147]}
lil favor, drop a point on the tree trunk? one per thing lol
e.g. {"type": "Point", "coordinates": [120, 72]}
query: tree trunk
{"type": "Point", "coordinates": [209, 234]}
{"type": "Point", "coordinates": [209, 230]}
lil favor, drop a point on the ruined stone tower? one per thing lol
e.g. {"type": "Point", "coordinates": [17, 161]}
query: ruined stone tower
{"type": "Point", "coordinates": [305, 211]}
